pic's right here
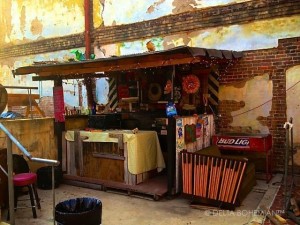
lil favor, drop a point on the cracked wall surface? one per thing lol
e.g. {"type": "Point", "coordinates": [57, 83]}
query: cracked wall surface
{"type": "Point", "coordinates": [293, 101]}
{"type": "Point", "coordinates": [256, 94]}
{"type": "Point", "coordinates": [23, 21]}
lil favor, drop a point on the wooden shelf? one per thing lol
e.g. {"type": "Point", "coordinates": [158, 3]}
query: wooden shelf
{"type": "Point", "coordinates": [108, 156]}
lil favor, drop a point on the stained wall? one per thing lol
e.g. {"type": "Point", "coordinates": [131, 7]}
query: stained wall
{"type": "Point", "coordinates": [49, 30]}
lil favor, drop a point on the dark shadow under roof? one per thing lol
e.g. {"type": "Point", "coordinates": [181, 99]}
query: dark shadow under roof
{"type": "Point", "coordinates": [80, 69]}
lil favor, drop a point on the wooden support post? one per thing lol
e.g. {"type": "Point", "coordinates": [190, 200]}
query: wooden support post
{"type": "Point", "coordinates": [59, 126]}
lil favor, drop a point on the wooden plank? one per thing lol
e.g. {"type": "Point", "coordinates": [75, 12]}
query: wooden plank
{"type": "Point", "coordinates": [207, 164]}
{"type": "Point", "coordinates": [190, 174]}
{"type": "Point", "coordinates": [22, 99]}
{"type": "Point", "coordinates": [71, 169]}
{"type": "Point", "coordinates": [239, 182]}
{"type": "Point", "coordinates": [77, 149]}
{"type": "Point", "coordinates": [156, 186]}
{"type": "Point", "coordinates": [126, 172]}
{"type": "Point", "coordinates": [225, 188]}
{"type": "Point", "coordinates": [196, 175]}
{"type": "Point", "coordinates": [219, 169]}
{"type": "Point", "coordinates": [99, 167]}
{"type": "Point", "coordinates": [223, 175]}
{"type": "Point", "coordinates": [120, 139]}
{"type": "Point", "coordinates": [64, 152]}
{"type": "Point", "coordinates": [231, 174]}
{"type": "Point", "coordinates": [139, 178]}
{"type": "Point", "coordinates": [234, 181]}
{"type": "Point", "coordinates": [80, 155]}
{"type": "Point", "coordinates": [108, 156]}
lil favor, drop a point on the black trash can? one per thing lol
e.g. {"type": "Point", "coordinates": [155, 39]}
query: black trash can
{"type": "Point", "coordinates": [44, 177]}
{"type": "Point", "coordinates": [79, 211]}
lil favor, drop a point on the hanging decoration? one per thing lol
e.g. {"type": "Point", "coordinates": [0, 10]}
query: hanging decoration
{"type": "Point", "coordinates": [168, 87]}
{"type": "Point", "coordinates": [154, 92]}
{"type": "Point", "coordinates": [190, 84]}
{"type": "Point", "coordinates": [81, 56]}
{"type": "Point", "coordinates": [150, 46]}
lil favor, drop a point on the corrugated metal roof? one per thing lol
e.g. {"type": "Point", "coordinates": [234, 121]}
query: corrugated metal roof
{"type": "Point", "coordinates": [175, 56]}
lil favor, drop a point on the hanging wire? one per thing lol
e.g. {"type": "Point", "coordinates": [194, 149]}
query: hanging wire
{"type": "Point", "coordinates": [265, 102]}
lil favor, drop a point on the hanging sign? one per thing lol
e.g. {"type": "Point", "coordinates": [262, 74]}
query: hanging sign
{"type": "Point", "coordinates": [179, 135]}
{"type": "Point", "coordinates": [190, 84]}
{"type": "Point", "coordinates": [190, 133]}
{"type": "Point", "coordinates": [59, 105]}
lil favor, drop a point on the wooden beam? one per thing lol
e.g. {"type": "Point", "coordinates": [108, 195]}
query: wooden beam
{"type": "Point", "coordinates": [112, 67]}
{"type": "Point", "coordinates": [70, 76]}
{"type": "Point", "coordinates": [19, 87]}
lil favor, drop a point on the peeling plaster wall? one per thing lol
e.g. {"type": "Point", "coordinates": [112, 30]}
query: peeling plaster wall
{"type": "Point", "coordinates": [97, 13]}
{"type": "Point", "coordinates": [45, 19]}
{"type": "Point", "coordinates": [22, 22]}
{"type": "Point", "coordinates": [252, 36]}
{"type": "Point", "coordinates": [45, 87]}
{"type": "Point", "coordinates": [256, 95]}
{"type": "Point", "coordinates": [293, 101]}
{"type": "Point", "coordinates": [116, 13]}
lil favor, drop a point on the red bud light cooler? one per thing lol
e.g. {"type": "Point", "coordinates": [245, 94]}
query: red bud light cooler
{"type": "Point", "coordinates": [248, 143]}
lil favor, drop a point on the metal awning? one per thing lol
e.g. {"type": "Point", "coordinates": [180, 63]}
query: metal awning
{"type": "Point", "coordinates": [80, 69]}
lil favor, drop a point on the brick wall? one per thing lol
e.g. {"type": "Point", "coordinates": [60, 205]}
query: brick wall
{"type": "Point", "coordinates": [43, 46]}
{"type": "Point", "coordinates": [198, 20]}
{"type": "Point", "coordinates": [184, 22]}
{"type": "Point", "coordinates": [274, 62]}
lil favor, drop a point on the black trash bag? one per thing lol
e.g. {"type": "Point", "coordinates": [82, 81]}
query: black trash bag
{"type": "Point", "coordinates": [79, 211]}
{"type": "Point", "coordinates": [44, 177]}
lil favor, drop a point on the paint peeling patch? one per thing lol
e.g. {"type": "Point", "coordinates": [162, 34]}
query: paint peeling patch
{"type": "Point", "coordinates": [177, 40]}
{"type": "Point", "coordinates": [293, 105]}
{"type": "Point", "coordinates": [5, 21]}
{"type": "Point", "coordinates": [135, 47]}
{"type": "Point", "coordinates": [137, 11]}
{"type": "Point", "coordinates": [264, 121]}
{"type": "Point", "coordinates": [183, 6]}
{"type": "Point", "coordinates": [190, 5]}
{"type": "Point", "coordinates": [251, 36]}
{"type": "Point", "coordinates": [36, 27]}
{"type": "Point", "coordinates": [30, 20]}
{"type": "Point", "coordinates": [257, 95]}
{"type": "Point", "coordinates": [153, 7]}
{"type": "Point", "coordinates": [98, 7]}
{"type": "Point", "coordinates": [23, 20]}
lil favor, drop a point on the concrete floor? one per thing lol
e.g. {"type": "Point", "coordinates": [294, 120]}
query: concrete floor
{"type": "Point", "coordinates": [127, 210]}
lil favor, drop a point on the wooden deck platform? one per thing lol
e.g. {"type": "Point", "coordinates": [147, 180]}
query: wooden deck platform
{"type": "Point", "coordinates": [154, 188]}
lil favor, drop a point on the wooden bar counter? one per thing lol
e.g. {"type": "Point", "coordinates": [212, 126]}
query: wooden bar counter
{"type": "Point", "coordinates": [112, 155]}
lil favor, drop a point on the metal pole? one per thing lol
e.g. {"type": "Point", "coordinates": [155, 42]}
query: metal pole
{"type": "Point", "coordinates": [53, 195]}
{"type": "Point", "coordinates": [292, 151]}
{"type": "Point", "coordinates": [173, 75]}
{"type": "Point", "coordinates": [30, 103]}
{"type": "Point", "coordinates": [287, 149]}
{"type": "Point", "coordinates": [10, 182]}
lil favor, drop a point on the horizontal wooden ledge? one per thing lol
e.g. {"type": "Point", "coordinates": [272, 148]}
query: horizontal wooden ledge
{"type": "Point", "coordinates": [108, 156]}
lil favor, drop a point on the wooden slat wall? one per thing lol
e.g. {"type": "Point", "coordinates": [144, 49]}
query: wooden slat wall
{"type": "Point", "coordinates": [207, 131]}
{"type": "Point", "coordinates": [212, 177]}
{"type": "Point", "coordinates": [99, 160]}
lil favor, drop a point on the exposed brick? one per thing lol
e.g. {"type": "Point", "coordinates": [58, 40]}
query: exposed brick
{"type": "Point", "coordinates": [251, 65]}
{"type": "Point", "coordinates": [219, 16]}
